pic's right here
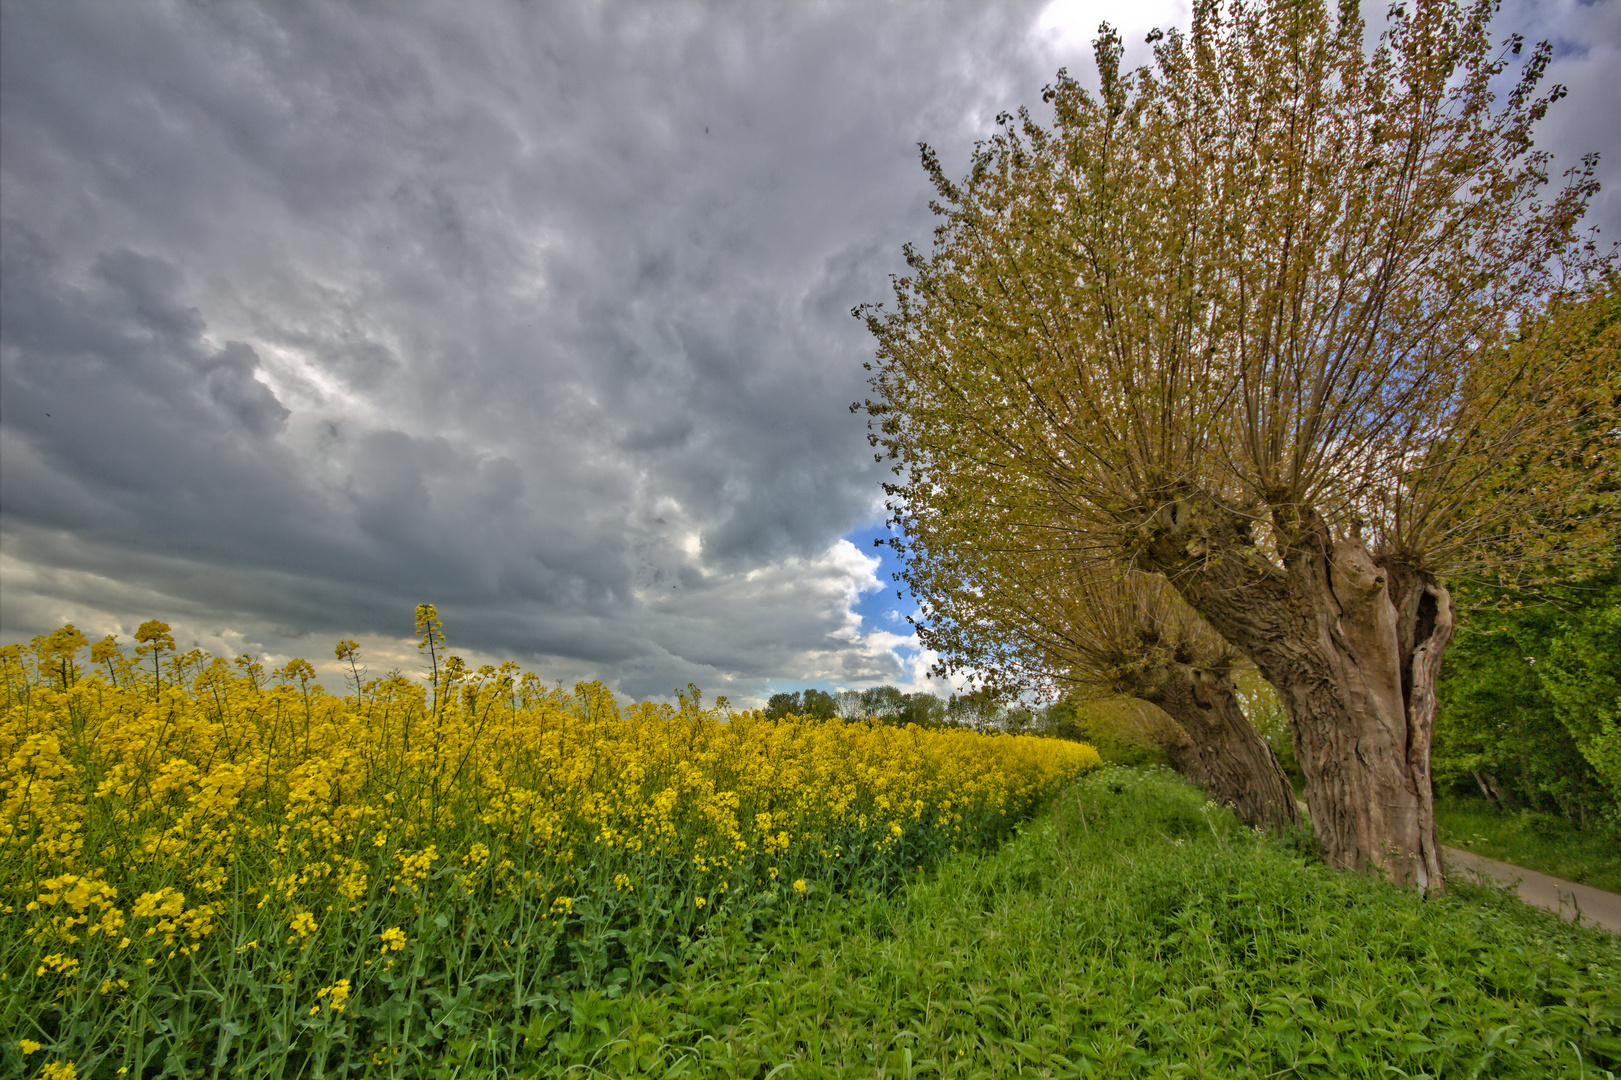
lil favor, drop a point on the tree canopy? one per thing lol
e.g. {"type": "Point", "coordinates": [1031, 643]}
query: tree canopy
{"type": "Point", "coordinates": [1309, 285]}
{"type": "Point", "coordinates": [1302, 326]}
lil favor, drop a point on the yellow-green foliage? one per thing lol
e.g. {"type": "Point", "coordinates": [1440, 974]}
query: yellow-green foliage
{"type": "Point", "coordinates": [176, 822]}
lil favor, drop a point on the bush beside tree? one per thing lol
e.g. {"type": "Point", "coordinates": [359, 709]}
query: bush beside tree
{"type": "Point", "coordinates": [1527, 687]}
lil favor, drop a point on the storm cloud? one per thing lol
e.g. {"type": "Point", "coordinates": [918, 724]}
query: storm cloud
{"type": "Point", "coordinates": [310, 313]}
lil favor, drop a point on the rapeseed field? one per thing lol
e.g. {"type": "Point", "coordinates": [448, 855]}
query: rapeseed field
{"type": "Point", "coordinates": [211, 870]}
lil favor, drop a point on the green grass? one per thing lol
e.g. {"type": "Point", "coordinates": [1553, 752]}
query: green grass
{"type": "Point", "coordinates": [1531, 839]}
{"type": "Point", "coordinates": [1135, 931]}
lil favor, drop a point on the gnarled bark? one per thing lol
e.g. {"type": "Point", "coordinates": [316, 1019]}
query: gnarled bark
{"type": "Point", "coordinates": [1353, 645]}
{"type": "Point", "coordinates": [1218, 749]}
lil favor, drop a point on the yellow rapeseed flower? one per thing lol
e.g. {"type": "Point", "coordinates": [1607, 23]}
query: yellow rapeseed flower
{"type": "Point", "coordinates": [252, 799]}
{"type": "Point", "coordinates": [336, 996]}
{"type": "Point", "coordinates": [303, 924]}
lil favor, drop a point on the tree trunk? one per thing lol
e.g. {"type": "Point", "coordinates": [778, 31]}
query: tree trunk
{"type": "Point", "coordinates": [1354, 647]}
{"type": "Point", "coordinates": [1488, 788]}
{"type": "Point", "coordinates": [1220, 752]}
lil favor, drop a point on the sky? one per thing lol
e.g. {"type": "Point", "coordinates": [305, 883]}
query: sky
{"type": "Point", "coordinates": [310, 313]}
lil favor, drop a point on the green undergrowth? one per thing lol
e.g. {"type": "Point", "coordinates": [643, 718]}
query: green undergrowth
{"type": "Point", "coordinates": [1533, 839]}
{"type": "Point", "coordinates": [1135, 930]}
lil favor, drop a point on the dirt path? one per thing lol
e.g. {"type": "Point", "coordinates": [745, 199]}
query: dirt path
{"type": "Point", "coordinates": [1595, 906]}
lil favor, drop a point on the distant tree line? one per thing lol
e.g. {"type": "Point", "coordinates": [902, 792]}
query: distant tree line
{"type": "Point", "coordinates": [978, 711]}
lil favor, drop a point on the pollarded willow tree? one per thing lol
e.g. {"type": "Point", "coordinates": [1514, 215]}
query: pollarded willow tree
{"type": "Point", "coordinates": [1088, 630]}
{"type": "Point", "coordinates": [1265, 317]}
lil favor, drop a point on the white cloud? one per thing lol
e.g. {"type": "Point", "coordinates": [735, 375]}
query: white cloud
{"type": "Point", "coordinates": [1068, 27]}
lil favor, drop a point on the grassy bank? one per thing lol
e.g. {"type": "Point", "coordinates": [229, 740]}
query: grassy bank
{"type": "Point", "coordinates": [1135, 931]}
{"type": "Point", "coordinates": [1534, 840]}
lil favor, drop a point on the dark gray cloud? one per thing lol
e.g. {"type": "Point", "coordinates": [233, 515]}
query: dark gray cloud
{"type": "Point", "coordinates": [541, 312]}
